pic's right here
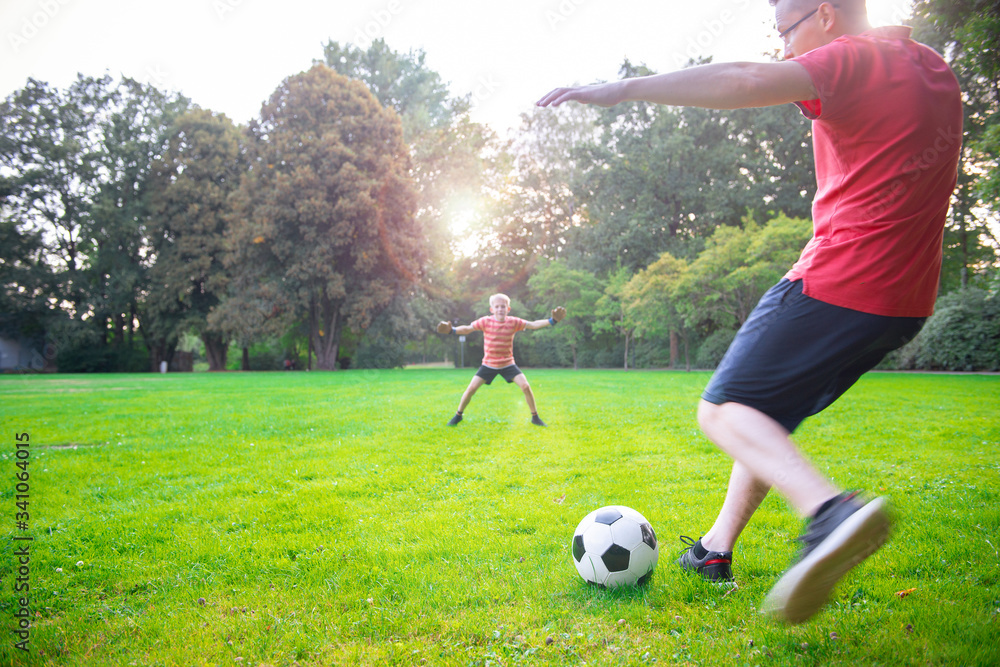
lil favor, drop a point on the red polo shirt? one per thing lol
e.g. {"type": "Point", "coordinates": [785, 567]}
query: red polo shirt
{"type": "Point", "coordinates": [887, 131]}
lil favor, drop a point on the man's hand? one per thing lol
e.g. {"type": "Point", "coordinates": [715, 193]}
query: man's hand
{"type": "Point", "coordinates": [558, 313]}
{"type": "Point", "coordinates": [601, 94]}
{"type": "Point", "coordinates": [444, 327]}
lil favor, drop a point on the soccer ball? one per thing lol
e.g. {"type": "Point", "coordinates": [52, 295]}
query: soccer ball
{"type": "Point", "coordinates": [615, 546]}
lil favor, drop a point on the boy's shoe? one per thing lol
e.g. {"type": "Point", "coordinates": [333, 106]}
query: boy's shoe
{"type": "Point", "coordinates": [843, 533]}
{"type": "Point", "coordinates": [714, 566]}
{"type": "Point", "coordinates": [454, 420]}
{"type": "Point", "coordinates": [537, 421]}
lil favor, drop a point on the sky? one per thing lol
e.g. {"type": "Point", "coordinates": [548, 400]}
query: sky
{"type": "Point", "coordinates": [230, 55]}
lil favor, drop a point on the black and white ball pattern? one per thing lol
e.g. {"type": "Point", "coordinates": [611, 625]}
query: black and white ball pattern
{"type": "Point", "coordinates": [615, 546]}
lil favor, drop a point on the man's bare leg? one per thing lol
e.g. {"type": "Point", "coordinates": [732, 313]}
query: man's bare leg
{"type": "Point", "coordinates": [763, 447]}
{"type": "Point", "coordinates": [843, 534]}
{"type": "Point", "coordinates": [743, 496]}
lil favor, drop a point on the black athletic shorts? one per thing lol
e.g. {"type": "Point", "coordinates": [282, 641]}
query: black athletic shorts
{"type": "Point", "coordinates": [508, 373]}
{"type": "Point", "coordinates": [795, 355]}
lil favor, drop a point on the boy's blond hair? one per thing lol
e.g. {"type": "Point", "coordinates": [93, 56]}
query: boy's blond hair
{"type": "Point", "coordinates": [500, 296]}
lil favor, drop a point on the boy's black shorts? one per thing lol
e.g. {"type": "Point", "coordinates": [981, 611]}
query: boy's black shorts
{"type": "Point", "coordinates": [795, 355]}
{"type": "Point", "coordinates": [508, 373]}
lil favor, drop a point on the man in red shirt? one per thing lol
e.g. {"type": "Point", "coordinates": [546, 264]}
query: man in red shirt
{"type": "Point", "coordinates": [498, 351]}
{"type": "Point", "coordinates": [887, 129]}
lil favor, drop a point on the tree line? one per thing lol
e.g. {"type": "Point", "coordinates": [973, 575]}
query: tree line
{"type": "Point", "coordinates": [364, 204]}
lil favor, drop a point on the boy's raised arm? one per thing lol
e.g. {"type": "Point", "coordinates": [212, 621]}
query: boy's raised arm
{"type": "Point", "coordinates": [558, 313]}
{"type": "Point", "coordinates": [446, 328]}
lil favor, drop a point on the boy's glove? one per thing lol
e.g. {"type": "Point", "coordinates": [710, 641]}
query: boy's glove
{"type": "Point", "coordinates": [558, 313]}
{"type": "Point", "coordinates": [444, 327]}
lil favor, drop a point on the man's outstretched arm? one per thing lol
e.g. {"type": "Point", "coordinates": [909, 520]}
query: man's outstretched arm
{"type": "Point", "coordinates": [713, 86]}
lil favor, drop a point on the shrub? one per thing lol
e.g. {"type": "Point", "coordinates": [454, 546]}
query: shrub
{"type": "Point", "coordinates": [962, 335]}
{"type": "Point", "coordinates": [79, 349]}
{"type": "Point", "coordinates": [712, 349]}
{"type": "Point", "coordinates": [266, 356]}
{"type": "Point", "coordinates": [378, 352]}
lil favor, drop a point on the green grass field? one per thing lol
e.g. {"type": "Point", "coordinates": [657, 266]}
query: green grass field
{"type": "Point", "coordinates": [332, 518]}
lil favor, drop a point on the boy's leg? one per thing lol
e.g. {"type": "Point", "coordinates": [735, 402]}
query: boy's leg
{"type": "Point", "coordinates": [521, 381]}
{"type": "Point", "coordinates": [529, 397]}
{"type": "Point", "coordinates": [474, 385]}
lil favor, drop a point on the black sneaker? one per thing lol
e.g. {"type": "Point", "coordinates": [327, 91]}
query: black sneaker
{"type": "Point", "coordinates": [537, 421]}
{"type": "Point", "coordinates": [454, 420]}
{"type": "Point", "coordinates": [844, 532]}
{"type": "Point", "coordinates": [714, 566]}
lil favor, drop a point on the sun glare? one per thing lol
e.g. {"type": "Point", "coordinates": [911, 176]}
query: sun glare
{"type": "Point", "coordinates": [889, 12]}
{"type": "Point", "coordinates": [464, 238]}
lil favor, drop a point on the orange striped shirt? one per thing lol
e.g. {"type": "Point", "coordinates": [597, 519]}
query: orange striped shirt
{"type": "Point", "coordinates": [498, 339]}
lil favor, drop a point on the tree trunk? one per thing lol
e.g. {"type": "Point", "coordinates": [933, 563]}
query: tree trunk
{"type": "Point", "coordinates": [327, 349]}
{"type": "Point", "coordinates": [245, 363]}
{"type": "Point", "coordinates": [309, 333]}
{"type": "Point", "coordinates": [160, 352]}
{"type": "Point", "coordinates": [118, 330]}
{"type": "Point", "coordinates": [215, 349]}
{"type": "Point", "coordinates": [327, 341]}
{"type": "Point", "coordinates": [674, 352]}
{"type": "Point", "coordinates": [131, 325]}
{"type": "Point", "coordinates": [626, 351]}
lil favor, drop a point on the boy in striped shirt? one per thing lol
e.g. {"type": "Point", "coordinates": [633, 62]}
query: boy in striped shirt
{"type": "Point", "coordinates": [498, 351]}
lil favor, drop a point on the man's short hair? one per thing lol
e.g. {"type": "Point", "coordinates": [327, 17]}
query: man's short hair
{"type": "Point", "coordinates": [850, 6]}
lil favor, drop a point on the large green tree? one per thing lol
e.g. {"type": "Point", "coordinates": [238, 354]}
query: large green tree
{"type": "Point", "coordinates": [446, 147]}
{"type": "Point", "coordinates": [612, 312]}
{"type": "Point", "coordinates": [530, 211]}
{"type": "Point", "coordinates": [661, 179]}
{"type": "Point", "coordinates": [653, 306]}
{"type": "Point", "coordinates": [75, 168]}
{"type": "Point", "coordinates": [190, 191]}
{"type": "Point", "coordinates": [555, 284]}
{"type": "Point", "coordinates": [966, 32]}
{"type": "Point", "coordinates": [133, 130]}
{"type": "Point", "coordinates": [326, 214]}
{"type": "Point", "coordinates": [52, 174]}
{"type": "Point", "coordinates": [726, 280]}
